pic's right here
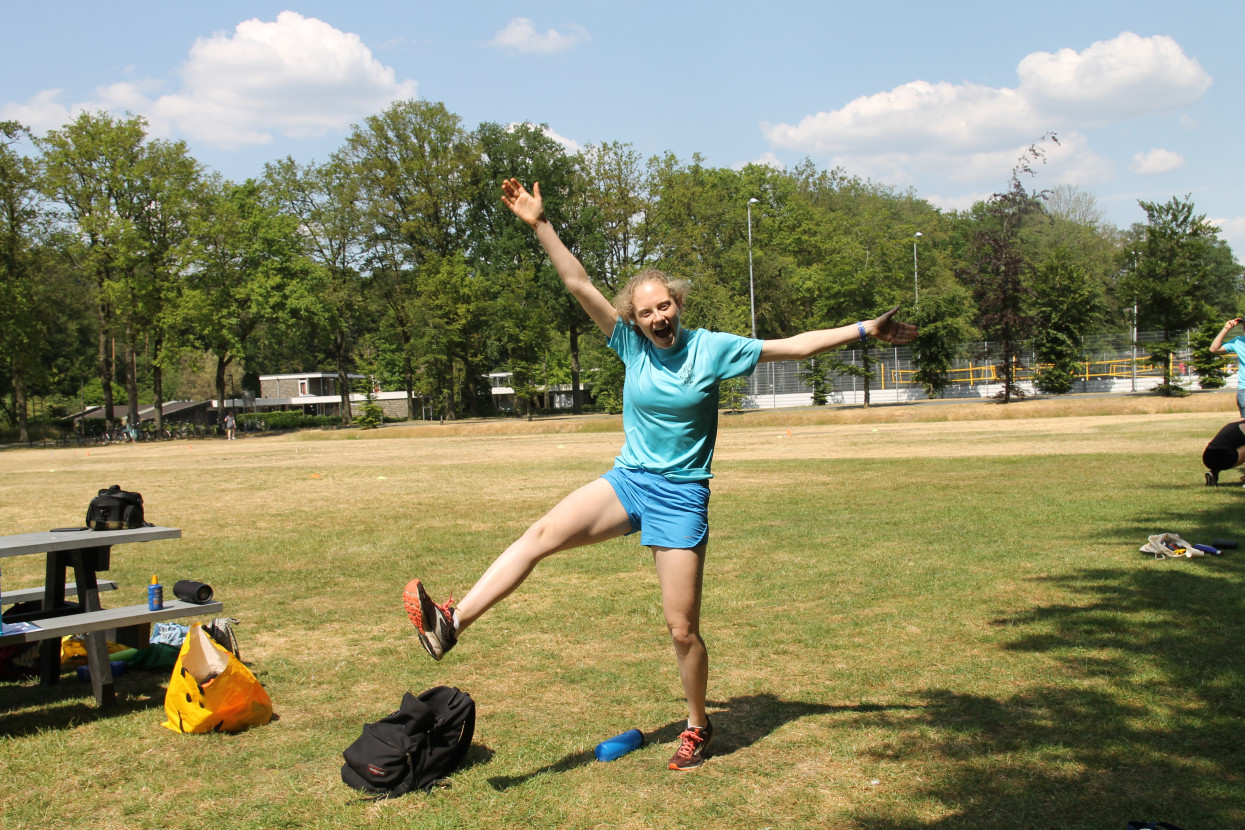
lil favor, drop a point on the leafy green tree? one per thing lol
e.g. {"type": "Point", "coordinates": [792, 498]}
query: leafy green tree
{"type": "Point", "coordinates": [815, 373]}
{"type": "Point", "coordinates": [616, 189]}
{"type": "Point", "coordinates": [699, 233]}
{"type": "Point", "coordinates": [1210, 368]}
{"type": "Point", "coordinates": [91, 170]}
{"type": "Point", "coordinates": [999, 269]}
{"type": "Point", "coordinates": [944, 325]}
{"type": "Point", "coordinates": [28, 301]}
{"type": "Point", "coordinates": [608, 385]}
{"type": "Point", "coordinates": [1065, 302]}
{"type": "Point", "coordinates": [417, 171]}
{"type": "Point", "coordinates": [732, 394]}
{"type": "Point", "coordinates": [370, 413]}
{"type": "Point", "coordinates": [250, 274]}
{"type": "Point", "coordinates": [1173, 281]}
{"type": "Point", "coordinates": [1077, 233]}
{"type": "Point", "coordinates": [127, 202]}
{"type": "Point", "coordinates": [326, 202]}
{"type": "Point", "coordinates": [507, 251]}
{"type": "Point", "coordinates": [170, 188]}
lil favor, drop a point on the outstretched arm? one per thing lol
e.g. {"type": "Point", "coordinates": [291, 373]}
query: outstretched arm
{"type": "Point", "coordinates": [805, 345]}
{"type": "Point", "coordinates": [1216, 345]}
{"type": "Point", "coordinates": [531, 209]}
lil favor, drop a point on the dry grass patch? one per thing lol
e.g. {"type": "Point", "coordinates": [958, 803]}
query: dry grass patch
{"type": "Point", "coordinates": [951, 607]}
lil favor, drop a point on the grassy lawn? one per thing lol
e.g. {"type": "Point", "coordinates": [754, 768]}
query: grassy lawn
{"type": "Point", "coordinates": [926, 616]}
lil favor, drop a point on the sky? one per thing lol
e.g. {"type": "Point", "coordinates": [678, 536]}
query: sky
{"type": "Point", "coordinates": [1144, 97]}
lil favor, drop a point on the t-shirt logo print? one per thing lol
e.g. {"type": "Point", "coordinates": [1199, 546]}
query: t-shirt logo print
{"type": "Point", "coordinates": [685, 373]}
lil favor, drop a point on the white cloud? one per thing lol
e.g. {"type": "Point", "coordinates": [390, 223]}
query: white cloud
{"type": "Point", "coordinates": [520, 35]}
{"type": "Point", "coordinates": [943, 115]}
{"type": "Point", "coordinates": [1071, 161]}
{"type": "Point", "coordinates": [41, 113]}
{"type": "Point", "coordinates": [769, 160]}
{"type": "Point", "coordinates": [1155, 161]}
{"type": "Point", "coordinates": [296, 76]}
{"type": "Point", "coordinates": [1126, 77]}
{"type": "Point", "coordinates": [569, 144]}
{"type": "Point", "coordinates": [956, 202]}
{"type": "Point", "coordinates": [1232, 231]}
{"type": "Point", "coordinates": [969, 133]}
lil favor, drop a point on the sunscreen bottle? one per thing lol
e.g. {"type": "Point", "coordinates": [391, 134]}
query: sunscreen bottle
{"type": "Point", "coordinates": [155, 595]}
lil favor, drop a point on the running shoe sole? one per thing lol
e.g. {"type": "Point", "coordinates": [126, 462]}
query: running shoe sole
{"type": "Point", "coordinates": [428, 618]}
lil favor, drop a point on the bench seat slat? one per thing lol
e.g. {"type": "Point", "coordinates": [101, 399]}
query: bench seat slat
{"type": "Point", "coordinates": [35, 594]}
{"type": "Point", "coordinates": [89, 621]}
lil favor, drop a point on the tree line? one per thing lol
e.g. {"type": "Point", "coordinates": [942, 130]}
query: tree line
{"type": "Point", "coordinates": [129, 272]}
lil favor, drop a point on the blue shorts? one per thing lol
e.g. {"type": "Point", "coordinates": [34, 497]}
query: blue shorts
{"type": "Point", "coordinates": [668, 514]}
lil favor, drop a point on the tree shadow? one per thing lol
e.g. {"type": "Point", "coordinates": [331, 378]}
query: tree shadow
{"type": "Point", "coordinates": [28, 708]}
{"type": "Point", "coordinates": [1143, 722]}
{"type": "Point", "coordinates": [738, 723]}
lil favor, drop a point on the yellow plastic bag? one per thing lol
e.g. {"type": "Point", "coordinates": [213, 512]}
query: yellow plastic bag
{"type": "Point", "coordinates": [73, 650]}
{"type": "Point", "coordinates": [211, 691]}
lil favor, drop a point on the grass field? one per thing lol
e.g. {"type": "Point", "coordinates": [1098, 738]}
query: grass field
{"type": "Point", "coordinates": [929, 616]}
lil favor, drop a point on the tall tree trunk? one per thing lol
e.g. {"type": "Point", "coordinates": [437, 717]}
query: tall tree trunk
{"type": "Point", "coordinates": [222, 363]}
{"type": "Point", "coordinates": [19, 404]}
{"type": "Point", "coordinates": [343, 378]}
{"type": "Point", "coordinates": [104, 363]}
{"type": "Point", "coordinates": [450, 413]}
{"type": "Point", "coordinates": [469, 387]}
{"type": "Point", "coordinates": [577, 394]}
{"type": "Point", "coordinates": [131, 375]}
{"type": "Point", "coordinates": [865, 363]}
{"type": "Point", "coordinates": [157, 389]}
{"type": "Point", "coordinates": [157, 384]}
{"type": "Point", "coordinates": [408, 375]}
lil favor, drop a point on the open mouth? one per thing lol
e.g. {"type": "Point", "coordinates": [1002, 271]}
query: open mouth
{"type": "Point", "coordinates": [663, 334]}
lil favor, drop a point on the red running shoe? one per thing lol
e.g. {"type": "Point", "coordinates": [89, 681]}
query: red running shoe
{"type": "Point", "coordinates": [692, 745]}
{"type": "Point", "coordinates": [434, 622]}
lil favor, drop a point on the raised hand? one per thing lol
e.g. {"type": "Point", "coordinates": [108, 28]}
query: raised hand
{"type": "Point", "coordinates": [892, 331]}
{"type": "Point", "coordinates": [527, 206]}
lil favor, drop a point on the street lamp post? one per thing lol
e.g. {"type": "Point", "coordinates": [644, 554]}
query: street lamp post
{"type": "Point", "coordinates": [752, 300]}
{"type": "Point", "coordinates": [1134, 337]}
{"type": "Point", "coordinates": [916, 291]}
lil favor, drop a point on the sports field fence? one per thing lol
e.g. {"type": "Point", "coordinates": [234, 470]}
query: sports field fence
{"type": "Point", "coordinates": [1109, 363]}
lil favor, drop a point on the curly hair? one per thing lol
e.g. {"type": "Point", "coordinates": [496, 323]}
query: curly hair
{"type": "Point", "coordinates": [624, 302]}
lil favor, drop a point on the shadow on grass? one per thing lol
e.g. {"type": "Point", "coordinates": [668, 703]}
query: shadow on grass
{"type": "Point", "coordinates": [1146, 725]}
{"type": "Point", "coordinates": [738, 723]}
{"type": "Point", "coordinates": [27, 708]}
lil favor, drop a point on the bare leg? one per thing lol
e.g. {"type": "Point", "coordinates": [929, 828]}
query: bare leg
{"type": "Point", "coordinates": [681, 575]}
{"type": "Point", "coordinates": [590, 514]}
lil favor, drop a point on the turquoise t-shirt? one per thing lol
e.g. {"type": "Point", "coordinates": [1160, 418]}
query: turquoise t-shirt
{"type": "Point", "coordinates": [1237, 346]}
{"type": "Point", "coordinates": [670, 397]}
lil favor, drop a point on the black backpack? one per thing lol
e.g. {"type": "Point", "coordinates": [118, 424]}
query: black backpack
{"type": "Point", "coordinates": [415, 747]}
{"type": "Point", "coordinates": [114, 509]}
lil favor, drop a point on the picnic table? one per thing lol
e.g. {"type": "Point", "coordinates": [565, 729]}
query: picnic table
{"type": "Point", "coordinates": [87, 552]}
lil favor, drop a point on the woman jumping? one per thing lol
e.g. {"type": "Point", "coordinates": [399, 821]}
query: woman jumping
{"type": "Point", "coordinates": [658, 485]}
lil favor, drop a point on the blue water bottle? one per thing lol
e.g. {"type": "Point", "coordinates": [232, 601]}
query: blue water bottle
{"type": "Point", "coordinates": [118, 667]}
{"type": "Point", "coordinates": [619, 745]}
{"type": "Point", "coordinates": [155, 595]}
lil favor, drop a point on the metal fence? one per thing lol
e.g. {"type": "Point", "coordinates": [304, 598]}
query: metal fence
{"type": "Point", "coordinates": [1110, 363]}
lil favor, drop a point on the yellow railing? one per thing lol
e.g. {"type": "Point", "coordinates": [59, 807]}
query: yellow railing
{"type": "Point", "coordinates": [976, 373]}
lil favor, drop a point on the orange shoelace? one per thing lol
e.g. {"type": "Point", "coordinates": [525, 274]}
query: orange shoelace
{"type": "Point", "coordinates": [691, 741]}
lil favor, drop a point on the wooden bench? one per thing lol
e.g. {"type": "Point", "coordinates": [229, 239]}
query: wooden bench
{"type": "Point", "coordinates": [36, 594]}
{"type": "Point", "coordinates": [87, 553]}
{"type": "Point", "coordinates": [88, 621]}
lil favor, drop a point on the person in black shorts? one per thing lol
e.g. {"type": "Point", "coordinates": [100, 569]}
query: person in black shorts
{"type": "Point", "coordinates": [1225, 451]}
